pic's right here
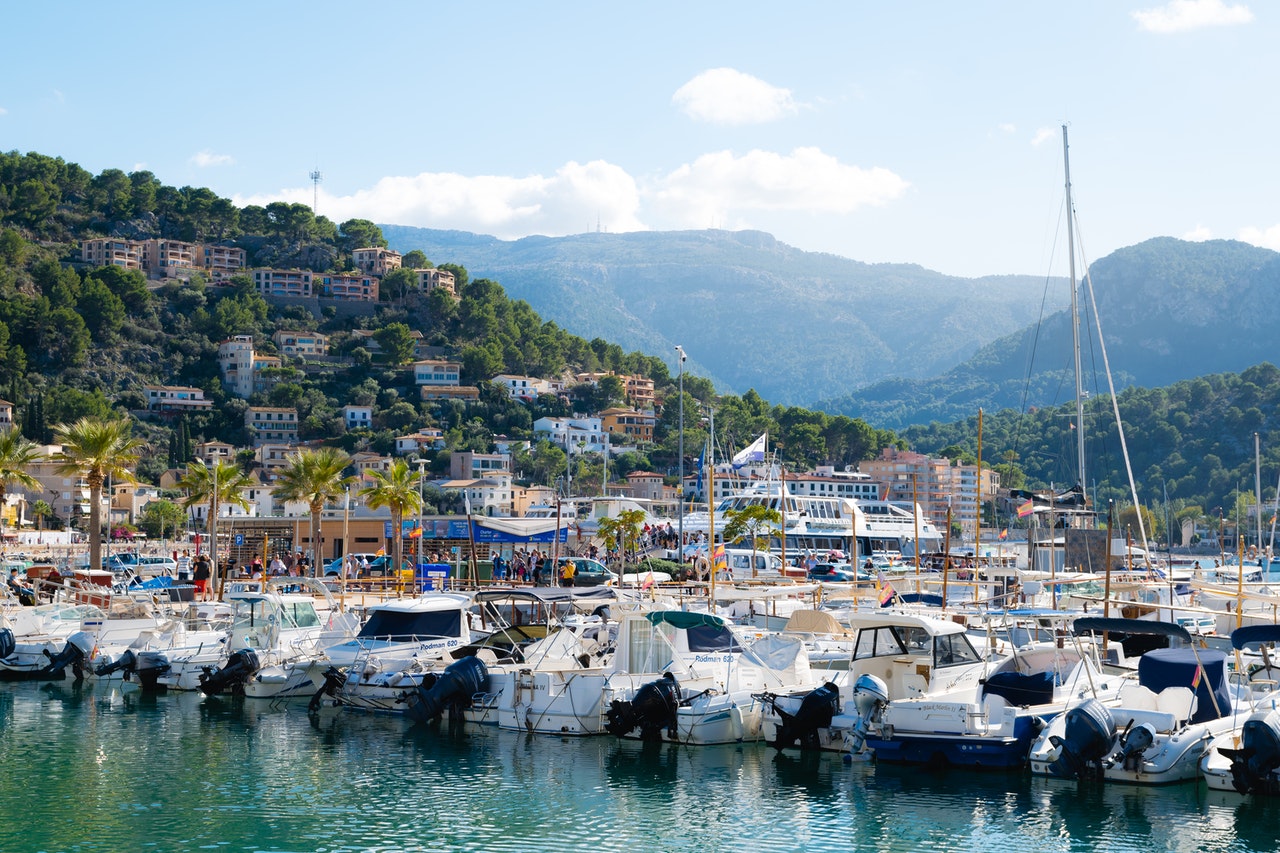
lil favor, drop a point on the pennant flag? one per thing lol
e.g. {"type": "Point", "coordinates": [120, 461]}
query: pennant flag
{"type": "Point", "coordinates": [1195, 682]}
{"type": "Point", "coordinates": [697, 487]}
{"type": "Point", "coordinates": [753, 452]}
{"type": "Point", "coordinates": [1004, 534]}
{"type": "Point", "coordinates": [1025, 509]}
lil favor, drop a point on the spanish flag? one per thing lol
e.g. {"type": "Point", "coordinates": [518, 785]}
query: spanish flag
{"type": "Point", "coordinates": [887, 593]}
{"type": "Point", "coordinates": [1004, 534]}
{"type": "Point", "coordinates": [719, 558]}
{"type": "Point", "coordinates": [1025, 510]}
{"type": "Point", "coordinates": [1195, 682]}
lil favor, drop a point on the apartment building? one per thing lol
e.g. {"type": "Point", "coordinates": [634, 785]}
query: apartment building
{"type": "Point", "coordinates": [348, 287]}
{"type": "Point", "coordinates": [433, 279]}
{"type": "Point", "coordinates": [267, 425]}
{"type": "Point", "coordinates": [376, 261]}
{"type": "Point", "coordinates": [175, 398]}
{"type": "Point", "coordinates": [126, 254]}
{"type": "Point", "coordinates": [300, 344]}
{"type": "Point", "coordinates": [274, 282]}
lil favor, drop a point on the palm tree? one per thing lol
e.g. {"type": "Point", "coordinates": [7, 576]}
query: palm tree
{"type": "Point", "coordinates": [40, 510]}
{"type": "Point", "coordinates": [756, 522]}
{"type": "Point", "coordinates": [198, 482]}
{"type": "Point", "coordinates": [315, 478]}
{"type": "Point", "coordinates": [17, 453]}
{"type": "Point", "coordinates": [95, 448]}
{"type": "Point", "coordinates": [396, 489]}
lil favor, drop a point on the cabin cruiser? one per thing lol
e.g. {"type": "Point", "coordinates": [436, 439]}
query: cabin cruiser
{"type": "Point", "coordinates": [1158, 730]}
{"type": "Point", "coordinates": [400, 642]}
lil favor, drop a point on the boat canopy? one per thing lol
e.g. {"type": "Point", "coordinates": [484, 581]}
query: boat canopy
{"type": "Point", "coordinates": [685, 620]}
{"type": "Point", "coordinates": [1255, 635]}
{"type": "Point", "coordinates": [1098, 624]}
{"type": "Point", "coordinates": [548, 594]}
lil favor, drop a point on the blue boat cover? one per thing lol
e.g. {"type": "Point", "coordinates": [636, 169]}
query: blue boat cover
{"type": "Point", "coordinates": [1255, 635]}
{"type": "Point", "coordinates": [914, 598]}
{"type": "Point", "coordinates": [1021, 689]}
{"type": "Point", "coordinates": [1161, 668]}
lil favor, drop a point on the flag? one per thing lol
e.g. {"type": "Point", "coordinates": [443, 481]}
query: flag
{"type": "Point", "coordinates": [886, 595]}
{"type": "Point", "coordinates": [1025, 509]}
{"type": "Point", "coordinates": [382, 552]}
{"type": "Point", "coordinates": [1195, 682]}
{"type": "Point", "coordinates": [648, 581]}
{"type": "Point", "coordinates": [1004, 534]}
{"type": "Point", "coordinates": [753, 452]}
{"type": "Point", "coordinates": [697, 486]}
{"type": "Point", "coordinates": [719, 558]}
{"type": "Point", "coordinates": [415, 533]}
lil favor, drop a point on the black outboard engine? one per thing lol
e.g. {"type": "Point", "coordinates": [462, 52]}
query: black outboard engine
{"type": "Point", "coordinates": [74, 654]}
{"type": "Point", "coordinates": [815, 712]}
{"type": "Point", "coordinates": [8, 645]}
{"type": "Point", "coordinates": [1254, 764]}
{"type": "Point", "coordinates": [652, 709]}
{"type": "Point", "coordinates": [149, 668]}
{"type": "Point", "coordinates": [126, 663]}
{"type": "Point", "coordinates": [334, 679]}
{"type": "Point", "coordinates": [452, 688]}
{"type": "Point", "coordinates": [238, 669]}
{"type": "Point", "coordinates": [1090, 735]}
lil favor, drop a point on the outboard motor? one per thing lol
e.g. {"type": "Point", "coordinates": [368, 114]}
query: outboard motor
{"type": "Point", "coordinates": [149, 668]}
{"type": "Point", "coordinates": [815, 712]}
{"type": "Point", "coordinates": [1090, 735]}
{"type": "Point", "coordinates": [652, 709]}
{"type": "Point", "coordinates": [79, 648]}
{"type": "Point", "coordinates": [453, 688]}
{"type": "Point", "coordinates": [1134, 742]}
{"type": "Point", "coordinates": [7, 643]}
{"type": "Point", "coordinates": [126, 663]}
{"type": "Point", "coordinates": [334, 679]}
{"type": "Point", "coordinates": [870, 697]}
{"type": "Point", "coordinates": [1254, 764]}
{"type": "Point", "coordinates": [238, 669]}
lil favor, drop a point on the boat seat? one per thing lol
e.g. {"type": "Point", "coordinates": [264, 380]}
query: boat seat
{"type": "Point", "coordinates": [1158, 720]}
{"type": "Point", "coordinates": [1135, 697]}
{"type": "Point", "coordinates": [1179, 701]}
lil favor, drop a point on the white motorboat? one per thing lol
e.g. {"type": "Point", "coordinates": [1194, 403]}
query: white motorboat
{"type": "Point", "coordinates": [1158, 731]}
{"type": "Point", "coordinates": [1246, 760]}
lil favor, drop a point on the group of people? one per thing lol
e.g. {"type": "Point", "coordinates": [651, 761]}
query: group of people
{"type": "Point", "coordinates": [533, 566]}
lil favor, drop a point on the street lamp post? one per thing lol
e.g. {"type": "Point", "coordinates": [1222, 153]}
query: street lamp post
{"type": "Point", "coordinates": [680, 484]}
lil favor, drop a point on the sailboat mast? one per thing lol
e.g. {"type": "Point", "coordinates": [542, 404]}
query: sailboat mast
{"type": "Point", "coordinates": [1075, 314]}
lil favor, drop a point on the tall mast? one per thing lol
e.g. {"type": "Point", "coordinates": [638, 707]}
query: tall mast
{"type": "Point", "coordinates": [1075, 314]}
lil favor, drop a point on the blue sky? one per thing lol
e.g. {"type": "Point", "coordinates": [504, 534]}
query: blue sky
{"type": "Point", "coordinates": [925, 132]}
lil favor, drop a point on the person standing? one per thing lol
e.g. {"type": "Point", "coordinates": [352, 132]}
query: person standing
{"type": "Point", "coordinates": [202, 574]}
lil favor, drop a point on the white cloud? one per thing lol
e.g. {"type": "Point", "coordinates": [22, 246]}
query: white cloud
{"type": "Point", "coordinates": [1179, 16]}
{"type": "Point", "coordinates": [1009, 127]}
{"type": "Point", "coordinates": [1268, 238]}
{"type": "Point", "coordinates": [205, 159]}
{"type": "Point", "coordinates": [718, 188]}
{"type": "Point", "coordinates": [720, 185]}
{"type": "Point", "coordinates": [1043, 135]}
{"type": "Point", "coordinates": [3, 111]}
{"type": "Point", "coordinates": [1198, 234]}
{"type": "Point", "coordinates": [573, 200]}
{"type": "Point", "coordinates": [727, 96]}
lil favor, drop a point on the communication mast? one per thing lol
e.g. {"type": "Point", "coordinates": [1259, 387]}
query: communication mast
{"type": "Point", "coordinates": [316, 177]}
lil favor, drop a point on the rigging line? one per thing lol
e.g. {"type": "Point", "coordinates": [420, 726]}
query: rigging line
{"type": "Point", "coordinates": [1035, 339]}
{"type": "Point", "coordinates": [1115, 405]}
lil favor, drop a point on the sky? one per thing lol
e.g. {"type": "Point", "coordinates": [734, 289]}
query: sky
{"type": "Point", "coordinates": [924, 132]}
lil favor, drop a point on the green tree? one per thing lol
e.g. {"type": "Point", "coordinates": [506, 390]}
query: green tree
{"type": "Point", "coordinates": [397, 489]}
{"type": "Point", "coordinates": [97, 449]}
{"type": "Point", "coordinates": [416, 260]}
{"type": "Point", "coordinates": [214, 485]}
{"type": "Point", "coordinates": [17, 454]}
{"type": "Point", "coordinates": [40, 510]}
{"type": "Point", "coordinates": [755, 522]}
{"type": "Point", "coordinates": [359, 234]}
{"type": "Point", "coordinates": [162, 519]}
{"type": "Point", "coordinates": [314, 477]}
{"type": "Point", "coordinates": [396, 340]}
{"type": "Point", "coordinates": [622, 532]}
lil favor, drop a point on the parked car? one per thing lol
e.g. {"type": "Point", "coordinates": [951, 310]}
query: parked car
{"type": "Point", "coordinates": [833, 573]}
{"type": "Point", "coordinates": [588, 572]}
{"type": "Point", "coordinates": [142, 564]}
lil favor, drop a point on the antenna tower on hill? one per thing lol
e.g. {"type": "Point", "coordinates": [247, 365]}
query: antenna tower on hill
{"type": "Point", "coordinates": [316, 177]}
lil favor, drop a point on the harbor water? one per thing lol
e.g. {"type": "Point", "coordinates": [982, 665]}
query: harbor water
{"type": "Point", "coordinates": [91, 769]}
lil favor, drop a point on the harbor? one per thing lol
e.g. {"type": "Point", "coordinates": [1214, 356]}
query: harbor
{"type": "Point", "coordinates": [186, 772]}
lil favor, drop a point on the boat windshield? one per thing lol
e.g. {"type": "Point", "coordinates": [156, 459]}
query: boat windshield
{"type": "Point", "coordinates": [398, 625]}
{"type": "Point", "coordinates": [709, 638]}
{"type": "Point", "coordinates": [953, 650]}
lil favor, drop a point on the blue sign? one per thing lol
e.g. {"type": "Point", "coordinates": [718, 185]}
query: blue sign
{"type": "Point", "coordinates": [386, 530]}
{"type": "Point", "coordinates": [239, 539]}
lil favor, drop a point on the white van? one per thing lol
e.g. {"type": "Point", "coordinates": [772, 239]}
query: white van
{"type": "Point", "coordinates": [766, 566]}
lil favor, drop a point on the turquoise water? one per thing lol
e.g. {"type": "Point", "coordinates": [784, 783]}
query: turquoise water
{"type": "Point", "coordinates": [92, 770]}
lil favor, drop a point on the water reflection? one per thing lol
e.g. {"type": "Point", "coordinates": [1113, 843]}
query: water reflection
{"type": "Point", "coordinates": [103, 769]}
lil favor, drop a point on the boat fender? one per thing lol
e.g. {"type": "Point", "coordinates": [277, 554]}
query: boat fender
{"type": "Point", "coordinates": [1254, 764]}
{"type": "Point", "coordinates": [7, 643]}
{"type": "Point", "coordinates": [737, 727]}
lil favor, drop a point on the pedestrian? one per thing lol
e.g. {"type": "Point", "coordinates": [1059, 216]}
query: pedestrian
{"type": "Point", "coordinates": [202, 575]}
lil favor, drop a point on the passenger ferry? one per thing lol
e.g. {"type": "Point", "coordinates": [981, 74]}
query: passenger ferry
{"type": "Point", "coordinates": [857, 525]}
